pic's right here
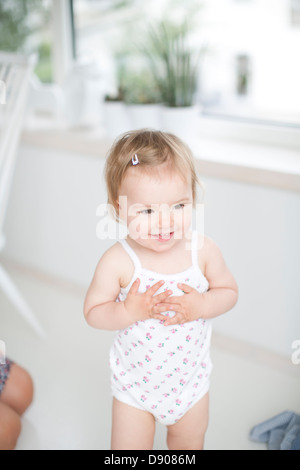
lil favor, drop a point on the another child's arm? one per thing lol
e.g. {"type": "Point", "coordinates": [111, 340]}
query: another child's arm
{"type": "Point", "coordinates": [220, 298]}
{"type": "Point", "coordinates": [100, 307]}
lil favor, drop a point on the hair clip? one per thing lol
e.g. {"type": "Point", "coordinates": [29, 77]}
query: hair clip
{"type": "Point", "coordinates": [135, 159]}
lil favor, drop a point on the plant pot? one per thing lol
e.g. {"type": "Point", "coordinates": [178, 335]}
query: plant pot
{"type": "Point", "coordinates": [181, 121]}
{"type": "Point", "coordinates": [115, 118]}
{"type": "Point", "coordinates": [144, 115]}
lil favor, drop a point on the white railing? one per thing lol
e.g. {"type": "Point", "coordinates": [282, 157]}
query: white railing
{"type": "Point", "coordinates": [15, 72]}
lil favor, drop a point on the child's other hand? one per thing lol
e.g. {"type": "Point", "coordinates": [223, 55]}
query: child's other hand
{"type": "Point", "coordinates": [186, 306]}
{"type": "Point", "coordinates": [146, 305]}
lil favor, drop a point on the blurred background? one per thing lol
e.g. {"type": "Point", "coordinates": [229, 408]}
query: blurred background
{"type": "Point", "coordinates": [248, 64]}
{"type": "Point", "coordinates": [222, 74]}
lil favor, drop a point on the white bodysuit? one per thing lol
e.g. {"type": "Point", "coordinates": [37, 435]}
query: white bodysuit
{"type": "Point", "coordinates": [162, 369]}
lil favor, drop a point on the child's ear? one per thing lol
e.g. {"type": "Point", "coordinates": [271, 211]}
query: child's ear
{"type": "Point", "coordinates": [120, 209]}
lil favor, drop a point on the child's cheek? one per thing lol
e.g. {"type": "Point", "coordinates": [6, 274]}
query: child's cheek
{"type": "Point", "coordinates": [183, 219]}
{"type": "Point", "coordinates": [139, 227]}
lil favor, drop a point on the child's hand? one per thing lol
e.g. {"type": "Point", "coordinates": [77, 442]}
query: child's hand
{"type": "Point", "coordinates": [186, 306]}
{"type": "Point", "coordinates": [144, 306]}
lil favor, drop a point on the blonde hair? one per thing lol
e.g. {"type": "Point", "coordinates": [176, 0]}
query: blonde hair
{"type": "Point", "coordinates": [152, 148]}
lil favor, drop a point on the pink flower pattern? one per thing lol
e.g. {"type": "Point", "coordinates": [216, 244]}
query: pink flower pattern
{"type": "Point", "coordinates": [164, 369]}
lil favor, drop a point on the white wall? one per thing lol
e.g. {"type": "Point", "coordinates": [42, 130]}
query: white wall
{"type": "Point", "coordinates": [51, 225]}
{"type": "Point", "coordinates": [258, 230]}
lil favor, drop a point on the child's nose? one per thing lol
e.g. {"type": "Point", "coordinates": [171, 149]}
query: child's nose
{"type": "Point", "coordinates": [165, 219]}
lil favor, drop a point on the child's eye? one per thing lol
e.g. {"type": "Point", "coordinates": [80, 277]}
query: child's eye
{"type": "Point", "coordinates": [146, 211]}
{"type": "Point", "coordinates": [179, 206]}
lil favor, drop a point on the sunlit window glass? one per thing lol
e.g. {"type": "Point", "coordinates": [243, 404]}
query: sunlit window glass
{"type": "Point", "coordinates": [250, 69]}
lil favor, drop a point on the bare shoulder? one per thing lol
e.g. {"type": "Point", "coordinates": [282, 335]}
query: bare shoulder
{"type": "Point", "coordinates": [112, 254]}
{"type": "Point", "coordinates": [215, 267]}
{"type": "Point", "coordinates": [115, 260]}
{"type": "Point", "coordinates": [210, 248]}
{"type": "Point", "coordinates": [207, 250]}
{"type": "Point", "coordinates": [112, 270]}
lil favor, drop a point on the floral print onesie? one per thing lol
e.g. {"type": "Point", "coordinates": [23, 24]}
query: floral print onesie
{"type": "Point", "coordinates": [162, 369]}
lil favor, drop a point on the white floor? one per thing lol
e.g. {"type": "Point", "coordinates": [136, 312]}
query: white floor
{"type": "Point", "coordinates": [72, 404]}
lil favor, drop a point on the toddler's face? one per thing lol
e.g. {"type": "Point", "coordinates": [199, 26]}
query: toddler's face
{"type": "Point", "coordinates": [156, 206]}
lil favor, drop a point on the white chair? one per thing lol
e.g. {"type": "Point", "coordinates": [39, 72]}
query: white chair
{"type": "Point", "coordinates": [15, 72]}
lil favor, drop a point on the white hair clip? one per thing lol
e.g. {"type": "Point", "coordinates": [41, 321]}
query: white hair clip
{"type": "Point", "coordinates": [135, 160]}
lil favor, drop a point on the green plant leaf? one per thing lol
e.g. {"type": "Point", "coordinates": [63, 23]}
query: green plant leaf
{"type": "Point", "coordinates": [173, 63]}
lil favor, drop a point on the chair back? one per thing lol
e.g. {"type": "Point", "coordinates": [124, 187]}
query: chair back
{"type": "Point", "coordinates": [15, 72]}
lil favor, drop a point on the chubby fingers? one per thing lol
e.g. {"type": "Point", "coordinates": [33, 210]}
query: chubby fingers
{"type": "Point", "coordinates": [157, 311]}
{"type": "Point", "coordinates": [158, 308]}
{"type": "Point", "coordinates": [178, 319]}
{"type": "Point", "coordinates": [161, 297]}
{"type": "Point", "coordinates": [185, 288]}
{"type": "Point", "coordinates": [174, 300]}
{"type": "Point", "coordinates": [153, 289]}
{"type": "Point", "coordinates": [159, 316]}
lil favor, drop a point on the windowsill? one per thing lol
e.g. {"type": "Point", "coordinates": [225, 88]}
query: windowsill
{"type": "Point", "coordinates": [250, 163]}
{"type": "Point", "coordinates": [254, 163]}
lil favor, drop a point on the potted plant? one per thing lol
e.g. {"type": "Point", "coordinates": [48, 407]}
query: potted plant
{"type": "Point", "coordinates": [142, 98]}
{"type": "Point", "coordinates": [175, 66]}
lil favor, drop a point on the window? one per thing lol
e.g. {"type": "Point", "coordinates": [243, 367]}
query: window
{"type": "Point", "coordinates": [25, 27]}
{"type": "Point", "coordinates": [100, 27]}
{"type": "Point", "coordinates": [250, 71]}
{"type": "Point", "coordinates": [295, 13]}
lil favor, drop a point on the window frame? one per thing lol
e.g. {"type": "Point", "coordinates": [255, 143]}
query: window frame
{"type": "Point", "coordinates": [63, 40]}
{"type": "Point", "coordinates": [256, 131]}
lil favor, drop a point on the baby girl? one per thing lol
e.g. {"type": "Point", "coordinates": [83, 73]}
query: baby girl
{"type": "Point", "coordinates": [159, 289]}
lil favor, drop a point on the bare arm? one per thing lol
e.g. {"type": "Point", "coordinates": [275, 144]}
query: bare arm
{"type": "Point", "coordinates": [223, 290]}
{"type": "Point", "coordinates": [100, 307]}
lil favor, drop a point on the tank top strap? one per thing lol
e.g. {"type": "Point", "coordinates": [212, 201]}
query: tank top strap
{"type": "Point", "coordinates": [195, 249]}
{"type": "Point", "coordinates": [131, 253]}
